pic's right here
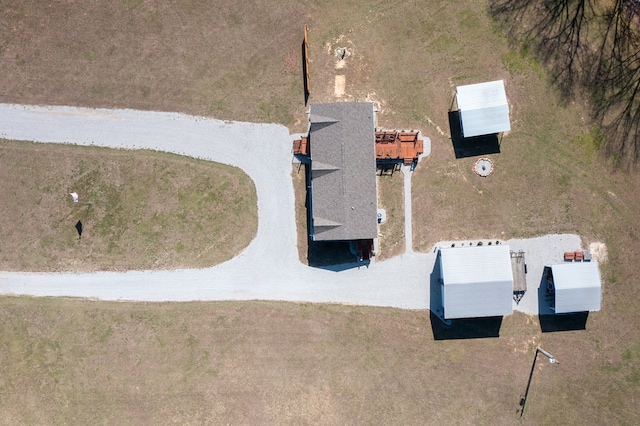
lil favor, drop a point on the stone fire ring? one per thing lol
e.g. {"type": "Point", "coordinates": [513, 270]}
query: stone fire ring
{"type": "Point", "coordinates": [483, 167]}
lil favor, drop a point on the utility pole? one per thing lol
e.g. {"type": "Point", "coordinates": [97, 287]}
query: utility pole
{"type": "Point", "coordinates": [552, 360]}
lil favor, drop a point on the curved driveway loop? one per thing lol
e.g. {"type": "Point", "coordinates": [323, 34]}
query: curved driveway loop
{"type": "Point", "coordinates": [268, 269]}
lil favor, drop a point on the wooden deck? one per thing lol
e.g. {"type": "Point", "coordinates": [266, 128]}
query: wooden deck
{"type": "Point", "coordinates": [300, 146]}
{"type": "Point", "coordinates": [398, 146]}
{"type": "Point", "coordinates": [391, 146]}
{"type": "Point", "coordinates": [518, 267]}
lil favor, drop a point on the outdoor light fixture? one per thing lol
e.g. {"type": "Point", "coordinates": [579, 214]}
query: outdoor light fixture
{"type": "Point", "coordinates": [552, 360]}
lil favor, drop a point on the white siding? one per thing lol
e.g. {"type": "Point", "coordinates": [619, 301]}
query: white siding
{"type": "Point", "coordinates": [578, 287]}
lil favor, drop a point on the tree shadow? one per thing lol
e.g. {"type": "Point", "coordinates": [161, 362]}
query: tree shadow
{"type": "Point", "coordinates": [588, 47]}
{"type": "Point", "coordinates": [554, 31]}
{"type": "Point", "coordinates": [464, 328]}
{"type": "Point", "coordinates": [473, 146]}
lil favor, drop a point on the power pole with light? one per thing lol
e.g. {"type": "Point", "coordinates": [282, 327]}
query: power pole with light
{"type": "Point", "coordinates": [552, 360]}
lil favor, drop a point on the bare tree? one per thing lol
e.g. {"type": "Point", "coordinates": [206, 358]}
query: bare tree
{"type": "Point", "coordinates": [615, 87]}
{"type": "Point", "coordinates": [592, 46]}
{"type": "Point", "coordinates": [555, 30]}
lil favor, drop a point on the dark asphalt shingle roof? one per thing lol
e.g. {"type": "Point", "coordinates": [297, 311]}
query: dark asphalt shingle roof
{"type": "Point", "coordinates": [343, 171]}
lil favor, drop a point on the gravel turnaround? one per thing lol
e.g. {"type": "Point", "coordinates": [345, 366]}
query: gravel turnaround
{"type": "Point", "coordinates": [268, 269]}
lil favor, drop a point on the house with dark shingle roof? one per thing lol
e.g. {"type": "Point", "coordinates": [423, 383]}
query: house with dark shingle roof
{"type": "Point", "coordinates": [342, 186]}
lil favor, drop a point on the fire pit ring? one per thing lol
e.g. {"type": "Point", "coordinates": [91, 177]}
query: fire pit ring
{"type": "Point", "coordinates": [483, 167]}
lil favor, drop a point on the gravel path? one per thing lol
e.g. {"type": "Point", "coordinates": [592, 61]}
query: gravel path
{"type": "Point", "coordinates": [268, 269]}
{"type": "Point", "coordinates": [408, 214]}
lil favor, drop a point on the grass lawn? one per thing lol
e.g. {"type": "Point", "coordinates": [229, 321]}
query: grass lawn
{"type": "Point", "coordinates": [298, 176]}
{"type": "Point", "coordinates": [139, 209]}
{"type": "Point", "coordinates": [86, 362]}
{"type": "Point", "coordinates": [391, 198]}
{"type": "Point", "coordinates": [70, 361]}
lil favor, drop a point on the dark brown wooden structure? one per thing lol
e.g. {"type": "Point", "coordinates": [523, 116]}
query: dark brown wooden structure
{"type": "Point", "coordinates": [398, 146]}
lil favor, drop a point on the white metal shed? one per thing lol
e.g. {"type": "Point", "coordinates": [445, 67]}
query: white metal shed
{"type": "Point", "coordinates": [577, 287]}
{"type": "Point", "coordinates": [476, 281]}
{"type": "Point", "coordinates": [483, 108]}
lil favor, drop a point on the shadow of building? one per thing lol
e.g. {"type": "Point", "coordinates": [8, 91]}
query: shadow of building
{"type": "Point", "coordinates": [473, 146]}
{"type": "Point", "coordinates": [305, 66]}
{"type": "Point", "coordinates": [552, 322]}
{"type": "Point", "coordinates": [464, 328]}
{"type": "Point", "coordinates": [333, 255]}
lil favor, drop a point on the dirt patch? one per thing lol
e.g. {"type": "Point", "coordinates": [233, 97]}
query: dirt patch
{"type": "Point", "coordinates": [338, 61]}
{"type": "Point", "coordinates": [340, 86]}
{"type": "Point", "coordinates": [599, 251]}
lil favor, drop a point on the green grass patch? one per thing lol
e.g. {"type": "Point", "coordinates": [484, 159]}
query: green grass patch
{"type": "Point", "coordinates": [590, 141]}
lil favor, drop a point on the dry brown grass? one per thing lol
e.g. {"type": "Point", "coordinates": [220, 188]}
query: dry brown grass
{"type": "Point", "coordinates": [87, 362]}
{"type": "Point", "coordinates": [298, 175]}
{"type": "Point", "coordinates": [227, 59]}
{"type": "Point", "coordinates": [140, 209]}
{"type": "Point", "coordinates": [83, 362]}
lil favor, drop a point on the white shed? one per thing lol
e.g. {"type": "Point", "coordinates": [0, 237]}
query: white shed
{"type": "Point", "coordinates": [476, 281]}
{"type": "Point", "coordinates": [577, 287]}
{"type": "Point", "coordinates": [483, 108]}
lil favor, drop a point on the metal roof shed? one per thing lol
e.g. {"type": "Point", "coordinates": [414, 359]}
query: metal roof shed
{"type": "Point", "coordinates": [344, 204]}
{"type": "Point", "coordinates": [577, 287]}
{"type": "Point", "coordinates": [476, 281]}
{"type": "Point", "coordinates": [483, 108]}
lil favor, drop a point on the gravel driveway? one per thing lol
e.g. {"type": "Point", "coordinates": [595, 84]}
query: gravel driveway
{"type": "Point", "coordinates": [268, 269]}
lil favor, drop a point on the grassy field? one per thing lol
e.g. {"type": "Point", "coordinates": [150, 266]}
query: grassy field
{"type": "Point", "coordinates": [139, 209]}
{"type": "Point", "coordinates": [225, 59]}
{"type": "Point", "coordinates": [84, 362]}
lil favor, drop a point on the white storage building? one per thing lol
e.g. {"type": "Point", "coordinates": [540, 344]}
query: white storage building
{"type": "Point", "coordinates": [577, 287]}
{"type": "Point", "coordinates": [476, 281]}
{"type": "Point", "coordinates": [483, 108]}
